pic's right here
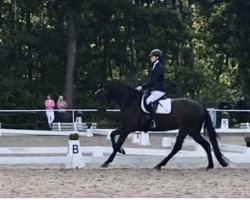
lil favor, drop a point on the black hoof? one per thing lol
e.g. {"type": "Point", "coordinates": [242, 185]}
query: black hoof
{"type": "Point", "coordinates": [157, 167]}
{"type": "Point", "coordinates": [105, 165]}
{"type": "Point", "coordinates": [122, 151]}
{"type": "Point", "coordinates": [224, 161]}
{"type": "Point", "coordinates": [210, 167]}
{"type": "Point", "coordinates": [224, 164]}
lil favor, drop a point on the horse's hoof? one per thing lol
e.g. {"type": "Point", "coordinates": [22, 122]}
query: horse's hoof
{"type": "Point", "coordinates": [122, 151]}
{"type": "Point", "coordinates": [225, 161]}
{"type": "Point", "coordinates": [157, 167]}
{"type": "Point", "coordinates": [210, 166]}
{"type": "Point", "coordinates": [104, 165]}
{"type": "Point", "coordinates": [224, 164]}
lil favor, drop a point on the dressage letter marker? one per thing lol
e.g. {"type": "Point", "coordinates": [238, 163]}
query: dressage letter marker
{"type": "Point", "coordinates": [75, 153]}
{"type": "Point", "coordinates": [75, 149]}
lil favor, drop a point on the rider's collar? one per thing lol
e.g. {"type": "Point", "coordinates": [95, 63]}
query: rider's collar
{"type": "Point", "coordinates": [155, 64]}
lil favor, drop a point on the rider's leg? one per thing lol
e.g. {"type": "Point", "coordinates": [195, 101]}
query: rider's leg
{"type": "Point", "coordinates": [155, 95]}
{"type": "Point", "coordinates": [152, 115]}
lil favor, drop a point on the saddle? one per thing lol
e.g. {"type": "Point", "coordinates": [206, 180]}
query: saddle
{"type": "Point", "coordinates": [162, 105]}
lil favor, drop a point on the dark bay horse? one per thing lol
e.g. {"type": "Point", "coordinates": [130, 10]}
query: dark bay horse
{"type": "Point", "coordinates": [186, 115]}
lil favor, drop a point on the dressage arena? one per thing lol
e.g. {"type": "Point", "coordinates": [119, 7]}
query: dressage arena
{"type": "Point", "coordinates": [128, 176]}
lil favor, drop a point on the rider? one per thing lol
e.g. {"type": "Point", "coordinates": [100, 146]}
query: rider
{"type": "Point", "coordinates": [155, 84]}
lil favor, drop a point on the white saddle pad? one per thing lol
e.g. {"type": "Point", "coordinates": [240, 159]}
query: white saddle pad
{"type": "Point", "coordinates": [164, 106]}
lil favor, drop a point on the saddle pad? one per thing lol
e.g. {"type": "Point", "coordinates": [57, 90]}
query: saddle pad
{"type": "Point", "coordinates": [164, 106]}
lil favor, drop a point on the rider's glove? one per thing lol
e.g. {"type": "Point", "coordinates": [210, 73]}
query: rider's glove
{"type": "Point", "coordinates": [139, 88]}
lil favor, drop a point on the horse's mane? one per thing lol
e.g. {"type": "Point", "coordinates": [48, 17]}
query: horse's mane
{"type": "Point", "coordinates": [120, 91]}
{"type": "Point", "coordinates": [116, 84]}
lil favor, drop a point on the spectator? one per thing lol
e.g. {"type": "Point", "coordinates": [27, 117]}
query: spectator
{"type": "Point", "coordinates": [49, 106]}
{"type": "Point", "coordinates": [242, 105]}
{"type": "Point", "coordinates": [61, 105]}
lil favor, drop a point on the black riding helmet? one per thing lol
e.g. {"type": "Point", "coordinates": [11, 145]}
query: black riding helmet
{"type": "Point", "coordinates": [156, 52]}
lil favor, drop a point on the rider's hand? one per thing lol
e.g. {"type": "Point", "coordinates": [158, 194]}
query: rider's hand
{"type": "Point", "coordinates": [139, 88]}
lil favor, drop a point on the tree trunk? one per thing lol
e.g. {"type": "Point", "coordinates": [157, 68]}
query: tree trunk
{"type": "Point", "coordinates": [71, 56]}
{"type": "Point", "coordinates": [14, 15]}
{"type": "Point", "coordinates": [30, 65]}
{"type": "Point", "coordinates": [179, 59]}
{"type": "Point", "coordinates": [179, 55]}
{"type": "Point", "coordinates": [133, 53]}
{"type": "Point", "coordinates": [134, 61]}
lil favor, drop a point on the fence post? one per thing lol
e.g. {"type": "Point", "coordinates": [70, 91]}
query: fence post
{"type": "Point", "coordinates": [59, 126]}
{"type": "Point", "coordinates": [224, 124]}
{"type": "Point", "coordinates": [136, 137]}
{"type": "Point", "coordinates": [89, 131]}
{"type": "Point", "coordinates": [144, 139]}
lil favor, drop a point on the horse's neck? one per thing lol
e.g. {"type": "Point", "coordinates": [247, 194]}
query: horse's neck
{"type": "Point", "coordinates": [124, 97]}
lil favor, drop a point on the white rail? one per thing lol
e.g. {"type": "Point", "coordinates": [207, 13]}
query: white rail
{"type": "Point", "coordinates": [107, 132]}
{"type": "Point", "coordinates": [237, 154]}
{"type": "Point", "coordinates": [73, 111]}
{"type": "Point", "coordinates": [98, 154]}
{"type": "Point", "coordinates": [108, 110]}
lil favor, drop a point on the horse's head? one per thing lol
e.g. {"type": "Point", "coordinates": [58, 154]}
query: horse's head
{"type": "Point", "coordinates": [117, 92]}
{"type": "Point", "coordinates": [102, 96]}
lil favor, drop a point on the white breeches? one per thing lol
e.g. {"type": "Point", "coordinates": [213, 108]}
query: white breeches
{"type": "Point", "coordinates": [154, 95]}
{"type": "Point", "coordinates": [50, 116]}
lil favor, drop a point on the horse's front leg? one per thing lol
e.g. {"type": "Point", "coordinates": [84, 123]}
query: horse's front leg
{"type": "Point", "coordinates": [116, 146]}
{"type": "Point", "coordinates": [112, 137]}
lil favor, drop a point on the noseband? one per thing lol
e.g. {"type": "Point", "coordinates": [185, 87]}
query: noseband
{"type": "Point", "coordinates": [101, 89]}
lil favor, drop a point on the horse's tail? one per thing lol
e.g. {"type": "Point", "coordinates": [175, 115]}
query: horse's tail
{"type": "Point", "coordinates": [209, 129]}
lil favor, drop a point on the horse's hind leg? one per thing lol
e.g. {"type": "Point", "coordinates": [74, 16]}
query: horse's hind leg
{"type": "Point", "coordinates": [205, 144]}
{"type": "Point", "coordinates": [177, 147]}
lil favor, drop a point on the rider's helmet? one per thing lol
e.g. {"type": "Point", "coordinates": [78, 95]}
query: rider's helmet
{"type": "Point", "coordinates": [156, 52]}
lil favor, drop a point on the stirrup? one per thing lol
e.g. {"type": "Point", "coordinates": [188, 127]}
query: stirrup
{"type": "Point", "coordinates": [152, 124]}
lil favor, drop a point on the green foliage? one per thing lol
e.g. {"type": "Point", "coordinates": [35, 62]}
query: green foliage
{"type": "Point", "coordinates": [74, 136]}
{"type": "Point", "coordinates": [206, 48]}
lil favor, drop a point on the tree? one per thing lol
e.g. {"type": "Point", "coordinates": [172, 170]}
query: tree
{"type": "Point", "coordinates": [68, 47]}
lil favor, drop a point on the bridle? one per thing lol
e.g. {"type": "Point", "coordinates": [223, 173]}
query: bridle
{"type": "Point", "coordinates": [101, 89]}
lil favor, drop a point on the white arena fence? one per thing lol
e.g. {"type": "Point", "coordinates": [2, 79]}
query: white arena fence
{"type": "Point", "coordinates": [75, 156]}
{"type": "Point", "coordinates": [75, 112]}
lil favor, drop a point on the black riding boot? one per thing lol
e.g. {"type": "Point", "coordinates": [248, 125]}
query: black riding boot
{"type": "Point", "coordinates": [152, 115]}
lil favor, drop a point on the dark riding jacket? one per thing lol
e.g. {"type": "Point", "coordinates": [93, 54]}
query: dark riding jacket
{"type": "Point", "coordinates": [156, 77]}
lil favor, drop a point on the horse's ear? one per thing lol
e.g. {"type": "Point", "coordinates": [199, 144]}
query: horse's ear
{"type": "Point", "coordinates": [139, 81]}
